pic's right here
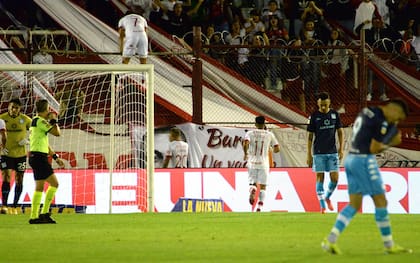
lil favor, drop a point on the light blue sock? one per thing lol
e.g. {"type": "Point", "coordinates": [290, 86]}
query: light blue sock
{"type": "Point", "coordinates": [342, 221]}
{"type": "Point", "coordinates": [384, 226]}
{"type": "Point", "coordinates": [331, 187]}
{"type": "Point", "coordinates": [320, 193]}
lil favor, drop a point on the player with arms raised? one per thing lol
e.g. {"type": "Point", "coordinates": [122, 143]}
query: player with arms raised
{"type": "Point", "coordinates": [375, 130]}
{"type": "Point", "coordinates": [176, 155]}
{"type": "Point", "coordinates": [14, 155]}
{"type": "Point", "coordinates": [132, 29]}
{"type": "Point", "coordinates": [256, 146]}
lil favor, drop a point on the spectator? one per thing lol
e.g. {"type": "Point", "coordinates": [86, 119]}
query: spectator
{"type": "Point", "coordinates": [179, 21]}
{"type": "Point", "coordinates": [176, 155]}
{"type": "Point", "coordinates": [256, 68]}
{"type": "Point", "coordinates": [254, 24]}
{"type": "Point", "coordinates": [144, 7]}
{"type": "Point", "coordinates": [315, 14]}
{"type": "Point", "coordinates": [293, 11]}
{"type": "Point", "coordinates": [272, 9]}
{"type": "Point", "coordinates": [364, 13]}
{"type": "Point", "coordinates": [277, 35]}
{"type": "Point", "coordinates": [342, 12]}
{"type": "Point", "coordinates": [215, 38]}
{"type": "Point", "coordinates": [383, 11]}
{"type": "Point", "coordinates": [239, 57]}
{"type": "Point", "coordinates": [164, 7]}
{"type": "Point", "coordinates": [218, 15]}
{"type": "Point", "coordinates": [132, 29]}
{"type": "Point", "coordinates": [416, 46]}
{"type": "Point", "coordinates": [374, 36]}
{"type": "Point", "coordinates": [42, 57]}
{"type": "Point", "coordinates": [310, 67]}
{"type": "Point", "coordinates": [337, 65]}
{"type": "Point", "coordinates": [402, 11]}
{"type": "Point", "coordinates": [198, 13]}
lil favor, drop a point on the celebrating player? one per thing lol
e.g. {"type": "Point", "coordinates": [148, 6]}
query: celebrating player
{"type": "Point", "coordinates": [43, 123]}
{"type": "Point", "coordinates": [323, 124]}
{"type": "Point", "coordinates": [14, 154]}
{"type": "Point", "coordinates": [256, 148]}
{"type": "Point", "coordinates": [375, 130]}
{"type": "Point", "coordinates": [132, 29]}
{"type": "Point", "coordinates": [177, 152]}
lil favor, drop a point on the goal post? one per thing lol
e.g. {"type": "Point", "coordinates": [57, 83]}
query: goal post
{"type": "Point", "coordinates": [106, 114]}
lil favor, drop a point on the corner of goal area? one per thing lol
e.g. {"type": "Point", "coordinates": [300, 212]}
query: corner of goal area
{"type": "Point", "coordinates": [196, 205]}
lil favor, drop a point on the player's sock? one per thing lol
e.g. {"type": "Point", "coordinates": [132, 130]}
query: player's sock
{"type": "Point", "coordinates": [18, 192]}
{"type": "Point", "coordinates": [261, 195]}
{"type": "Point", "coordinates": [49, 196]}
{"type": "Point", "coordinates": [5, 190]}
{"type": "Point", "coordinates": [261, 198]}
{"type": "Point", "coordinates": [384, 225]}
{"type": "Point", "coordinates": [342, 221]}
{"type": "Point", "coordinates": [331, 187]}
{"type": "Point", "coordinates": [320, 194]}
{"type": "Point", "coordinates": [36, 203]}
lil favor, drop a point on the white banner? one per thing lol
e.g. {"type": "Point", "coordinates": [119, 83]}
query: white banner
{"type": "Point", "coordinates": [221, 147]}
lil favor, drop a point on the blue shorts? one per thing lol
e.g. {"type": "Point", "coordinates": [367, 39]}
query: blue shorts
{"type": "Point", "coordinates": [326, 162]}
{"type": "Point", "coordinates": [363, 175]}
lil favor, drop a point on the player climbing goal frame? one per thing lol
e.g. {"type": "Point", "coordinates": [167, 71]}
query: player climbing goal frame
{"type": "Point", "coordinates": [120, 79]}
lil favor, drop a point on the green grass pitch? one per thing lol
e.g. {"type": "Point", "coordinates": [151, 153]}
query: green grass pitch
{"type": "Point", "coordinates": [200, 237]}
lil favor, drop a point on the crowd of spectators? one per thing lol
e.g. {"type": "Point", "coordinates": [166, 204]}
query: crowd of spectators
{"type": "Point", "coordinates": [281, 22]}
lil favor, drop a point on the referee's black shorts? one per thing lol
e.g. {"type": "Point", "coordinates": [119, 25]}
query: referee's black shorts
{"type": "Point", "coordinates": [41, 167]}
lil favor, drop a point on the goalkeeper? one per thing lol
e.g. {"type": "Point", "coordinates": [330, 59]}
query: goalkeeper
{"type": "Point", "coordinates": [14, 152]}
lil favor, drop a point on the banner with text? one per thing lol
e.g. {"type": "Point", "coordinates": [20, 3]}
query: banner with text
{"type": "Point", "coordinates": [289, 190]}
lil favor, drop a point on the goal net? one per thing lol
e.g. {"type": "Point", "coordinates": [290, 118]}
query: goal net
{"type": "Point", "coordinates": [105, 113]}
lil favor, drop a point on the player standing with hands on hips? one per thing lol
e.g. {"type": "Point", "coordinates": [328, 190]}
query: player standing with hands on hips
{"type": "Point", "coordinates": [256, 146]}
{"type": "Point", "coordinates": [14, 152]}
{"type": "Point", "coordinates": [323, 125]}
{"type": "Point", "coordinates": [132, 29]}
{"type": "Point", "coordinates": [374, 131]}
{"type": "Point", "coordinates": [43, 123]}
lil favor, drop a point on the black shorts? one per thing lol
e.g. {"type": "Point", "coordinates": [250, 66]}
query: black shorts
{"type": "Point", "coordinates": [17, 164]}
{"type": "Point", "coordinates": [41, 167]}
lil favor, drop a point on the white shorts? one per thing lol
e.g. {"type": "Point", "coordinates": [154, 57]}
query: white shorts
{"type": "Point", "coordinates": [258, 175]}
{"type": "Point", "coordinates": [136, 44]}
